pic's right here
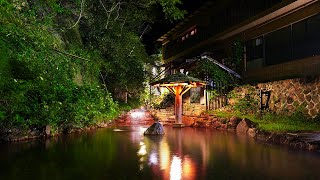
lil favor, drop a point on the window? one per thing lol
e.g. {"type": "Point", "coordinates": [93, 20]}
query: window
{"type": "Point", "coordinates": [296, 41]}
{"type": "Point", "coordinates": [278, 46]}
{"type": "Point", "coordinates": [254, 49]}
{"type": "Point", "coordinates": [191, 32]}
{"type": "Point", "coordinates": [306, 37]}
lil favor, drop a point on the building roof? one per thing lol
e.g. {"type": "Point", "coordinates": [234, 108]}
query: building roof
{"type": "Point", "coordinates": [185, 21]}
{"type": "Point", "coordinates": [245, 28]}
{"type": "Point", "coordinates": [178, 79]}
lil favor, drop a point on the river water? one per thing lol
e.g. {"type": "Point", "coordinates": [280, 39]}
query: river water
{"type": "Point", "coordinates": [179, 154]}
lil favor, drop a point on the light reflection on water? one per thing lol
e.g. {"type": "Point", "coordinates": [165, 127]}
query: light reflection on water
{"type": "Point", "coordinates": [199, 154]}
{"type": "Point", "coordinates": [175, 169]}
{"type": "Point", "coordinates": [179, 154]}
{"type": "Point", "coordinates": [173, 166]}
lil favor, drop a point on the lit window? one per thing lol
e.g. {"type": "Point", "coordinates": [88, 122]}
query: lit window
{"type": "Point", "coordinates": [258, 41]}
{"type": "Point", "coordinates": [192, 33]}
{"type": "Point", "coordinates": [187, 35]}
{"type": "Point", "coordinates": [183, 38]}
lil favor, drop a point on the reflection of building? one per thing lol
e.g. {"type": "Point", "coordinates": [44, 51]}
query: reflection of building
{"type": "Point", "coordinates": [274, 40]}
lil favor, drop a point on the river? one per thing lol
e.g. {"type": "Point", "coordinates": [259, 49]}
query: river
{"type": "Point", "coordinates": [126, 153]}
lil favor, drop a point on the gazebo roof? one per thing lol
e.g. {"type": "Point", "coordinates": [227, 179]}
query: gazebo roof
{"type": "Point", "coordinates": [178, 79]}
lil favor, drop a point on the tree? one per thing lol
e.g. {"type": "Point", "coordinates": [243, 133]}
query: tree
{"type": "Point", "coordinates": [116, 28]}
{"type": "Point", "coordinates": [60, 59]}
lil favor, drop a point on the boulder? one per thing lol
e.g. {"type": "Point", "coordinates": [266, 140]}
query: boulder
{"type": "Point", "coordinates": [200, 124]}
{"type": "Point", "coordinates": [188, 121]}
{"type": "Point", "coordinates": [224, 126]}
{"type": "Point", "coordinates": [223, 120]}
{"type": "Point", "coordinates": [155, 129]}
{"type": "Point", "coordinates": [252, 132]}
{"type": "Point", "coordinates": [244, 126]}
{"type": "Point", "coordinates": [234, 121]}
{"type": "Point", "coordinates": [48, 130]}
{"type": "Point", "coordinates": [216, 124]}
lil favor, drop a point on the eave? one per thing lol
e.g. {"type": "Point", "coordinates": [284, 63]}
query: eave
{"type": "Point", "coordinates": [256, 22]}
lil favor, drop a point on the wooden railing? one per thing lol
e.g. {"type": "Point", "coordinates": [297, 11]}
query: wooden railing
{"type": "Point", "coordinates": [218, 102]}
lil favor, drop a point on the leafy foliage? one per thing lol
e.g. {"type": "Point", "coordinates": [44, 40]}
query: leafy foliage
{"type": "Point", "coordinates": [213, 72]}
{"type": "Point", "coordinates": [248, 104]}
{"type": "Point", "coordinates": [272, 122]}
{"type": "Point", "coordinates": [59, 60]}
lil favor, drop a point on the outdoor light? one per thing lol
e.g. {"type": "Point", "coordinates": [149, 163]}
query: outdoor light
{"type": "Point", "coordinates": [137, 114]}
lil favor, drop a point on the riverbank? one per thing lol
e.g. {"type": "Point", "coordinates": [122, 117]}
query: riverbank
{"type": "Point", "coordinates": [291, 130]}
{"type": "Point", "coordinates": [15, 134]}
{"type": "Point", "coordinates": [136, 117]}
{"type": "Point", "coordinates": [296, 140]}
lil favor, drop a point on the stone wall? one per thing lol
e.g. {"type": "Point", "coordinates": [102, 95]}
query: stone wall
{"type": "Point", "coordinates": [289, 95]}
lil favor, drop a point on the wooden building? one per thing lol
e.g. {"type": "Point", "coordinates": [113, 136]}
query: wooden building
{"type": "Point", "coordinates": [280, 39]}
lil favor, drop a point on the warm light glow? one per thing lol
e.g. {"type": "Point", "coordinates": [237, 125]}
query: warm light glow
{"type": "Point", "coordinates": [143, 150]}
{"type": "Point", "coordinates": [176, 169]}
{"type": "Point", "coordinates": [191, 84]}
{"type": "Point", "coordinates": [189, 168]}
{"type": "Point", "coordinates": [175, 84]}
{"type": "Point", "coordinates": [142, 130]}
{"type": "Point", "coordinates": [164, 155]}
{"type": "Point", "coordinates": [153, 159]}
{"type": "Point", "coordinates": [137, 114]}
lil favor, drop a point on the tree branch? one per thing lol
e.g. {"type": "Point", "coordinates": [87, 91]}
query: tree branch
{"type": "Point", "coordinates": [113, 7]}
{"type": "Point", "coordinates": [123, 25]}
{"type": "Point", "coordinates": [80, 15]}
{"type": "Point", "coordinates": [118, 12]}
{"type": "Point", "coordinates": [104, 82]}
{"type": "Point", "coordinates": [71, 55]}
{"type": "Point", "coordinates": [145, 29]}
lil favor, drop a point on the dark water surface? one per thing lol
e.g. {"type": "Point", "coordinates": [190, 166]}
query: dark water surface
{"type": "Point", "coordinates": [180, 154]}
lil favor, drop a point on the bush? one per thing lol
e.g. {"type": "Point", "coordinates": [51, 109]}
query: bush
{"type": "Point", "coordinates": [249, 103]}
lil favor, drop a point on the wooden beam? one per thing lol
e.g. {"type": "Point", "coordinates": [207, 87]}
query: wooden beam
{"type": "Point", "coordinates": [185, 90]}
{"type": "Point", "coordinates": [171, 90]}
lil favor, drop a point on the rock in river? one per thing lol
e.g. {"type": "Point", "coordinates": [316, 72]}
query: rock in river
{"type": "Point", "coordinates": [155, 129]}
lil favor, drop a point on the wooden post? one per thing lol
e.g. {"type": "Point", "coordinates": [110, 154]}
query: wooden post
{"type": "Point", "coordinates": [202, 96]}
{"type": "Point", "coordinates": [178, 107]}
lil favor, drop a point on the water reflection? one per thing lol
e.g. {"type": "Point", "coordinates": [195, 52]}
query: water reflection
{"type": "Point", "coordinates": [179, 154]}
{"type": "Point", "coordinates": [168, 165]}
{"type": "Point", "coordinates": [142, 151]}
{"type": "Point", "coordinates": [176, 169]}
{"type": "Point", "coordinates": [205, 154]}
